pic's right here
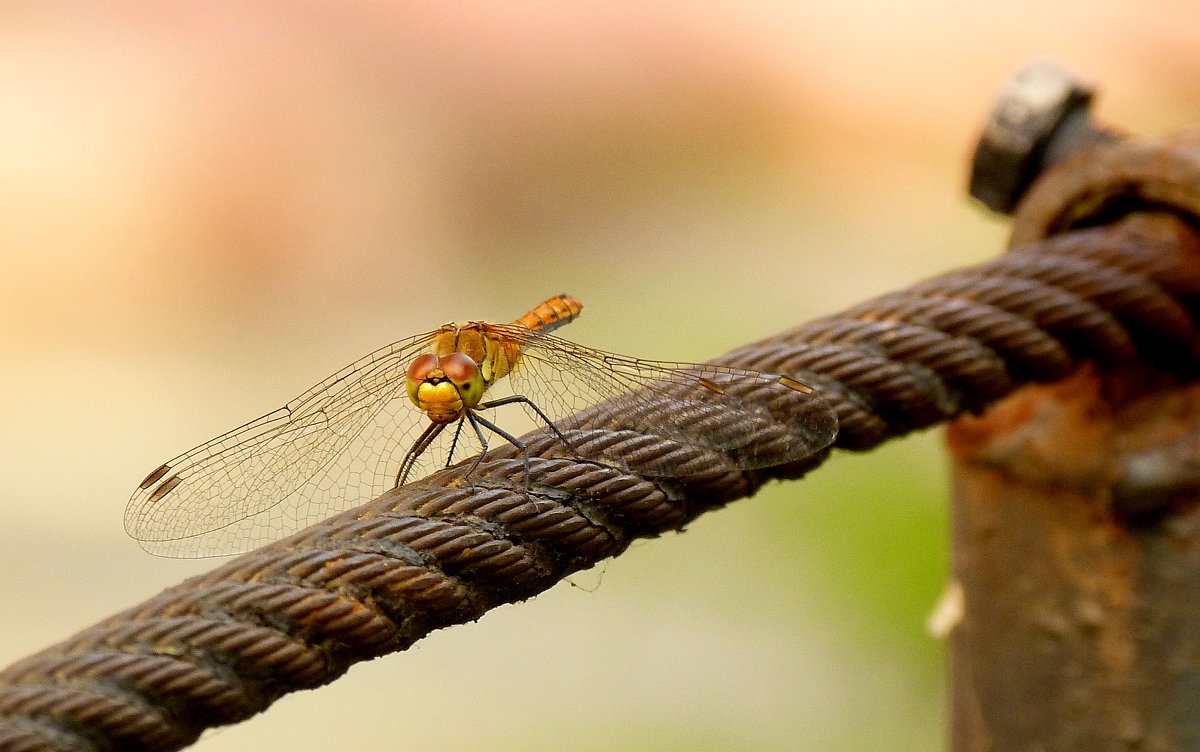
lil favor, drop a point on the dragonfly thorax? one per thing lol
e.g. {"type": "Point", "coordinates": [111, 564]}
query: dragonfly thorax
{"type": "Point", "coordinates": [445, 387]}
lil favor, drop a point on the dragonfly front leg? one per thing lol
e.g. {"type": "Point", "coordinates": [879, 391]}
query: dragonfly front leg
{"type": "Point", "coordinates": [418, 448]}
{"type": "Point", "coordinates": [458, 426]}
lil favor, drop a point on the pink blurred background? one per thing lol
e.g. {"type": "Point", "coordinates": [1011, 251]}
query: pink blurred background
{"type": "Point", "coordinates": [206, 208]}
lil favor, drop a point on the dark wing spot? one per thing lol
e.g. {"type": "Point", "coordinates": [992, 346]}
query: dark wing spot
{"type": "Point", "coordinates": [165, 488]}
{"type": "Point", "coordinates": [793, 384]}
{"type": "Point", "coordinates": [711, 385]}
{"type": "Point", "coordinates": [154, 477]}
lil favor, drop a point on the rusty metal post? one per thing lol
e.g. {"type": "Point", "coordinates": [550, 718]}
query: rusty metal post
{"type": "Point", "coordinates": [1076, 527]}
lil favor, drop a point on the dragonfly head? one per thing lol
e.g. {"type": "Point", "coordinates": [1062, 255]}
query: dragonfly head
{"type": "Point", "coordinates": [444, 387]}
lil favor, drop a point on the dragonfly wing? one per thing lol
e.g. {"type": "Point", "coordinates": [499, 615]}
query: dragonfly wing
{"type": "Point", "coordinates": [328, 448]}
{"type": "Point", "coordinates": [758, 419]}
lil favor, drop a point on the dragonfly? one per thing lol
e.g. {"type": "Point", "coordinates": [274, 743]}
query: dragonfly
{"type": "Point", "coordinates": [428, 401]}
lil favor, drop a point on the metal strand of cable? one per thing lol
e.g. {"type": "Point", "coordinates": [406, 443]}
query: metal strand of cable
{"type": "Point", "coordinates": [218, 648]}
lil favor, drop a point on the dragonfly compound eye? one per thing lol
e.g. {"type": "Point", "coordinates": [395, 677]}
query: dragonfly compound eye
{"type": "Point", "coordinates": [459, 368]}
{"type": "Point", "coordinates": [418, 372]}
{"type": "Point", "coordinates": [420, 368]}
{"type": "Point", "coordinates": [464, 372]}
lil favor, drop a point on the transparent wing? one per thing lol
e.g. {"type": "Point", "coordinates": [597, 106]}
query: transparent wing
{"type": "Point", "coordinates": [343, 441]}
{"type": "Point", "coordinates": [758, 419]}
{"type": "Point", "coordinates": [328, 448]}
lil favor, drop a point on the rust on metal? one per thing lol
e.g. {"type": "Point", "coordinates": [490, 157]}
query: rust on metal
{"type": "Point", "coordinates": [1076, 517]}
{"type": "Point", "coordinates": [1102, 183]}
{"type": "Point", "coordinates": [1077, 560]}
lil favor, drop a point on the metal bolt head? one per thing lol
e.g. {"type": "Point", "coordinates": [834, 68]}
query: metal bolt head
{"type": "Point", "coordinates": [1023, 134]}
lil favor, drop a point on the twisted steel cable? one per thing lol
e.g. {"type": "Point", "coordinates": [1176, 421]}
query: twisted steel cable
{"type": "Point", "coordinates": [296, 614]}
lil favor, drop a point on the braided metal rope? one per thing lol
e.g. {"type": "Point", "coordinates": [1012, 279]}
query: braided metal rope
{"type": "Point", "coordinates": [221, 647]}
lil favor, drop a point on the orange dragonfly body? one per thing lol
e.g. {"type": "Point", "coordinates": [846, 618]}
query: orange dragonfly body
{"type": "Point", "coordinates": [448, 384]}
{"type": "Point", "coordinates": [338, 444]}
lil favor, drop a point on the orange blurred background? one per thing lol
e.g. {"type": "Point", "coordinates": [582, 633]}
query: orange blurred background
{"type": "Point", "coordinates": [206, 208]}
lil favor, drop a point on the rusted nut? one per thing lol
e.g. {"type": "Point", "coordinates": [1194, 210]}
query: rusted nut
{"type": "Point", "coordinates": [1103, 183]}
{"type": "Point", "coordinates": [1042, 115]}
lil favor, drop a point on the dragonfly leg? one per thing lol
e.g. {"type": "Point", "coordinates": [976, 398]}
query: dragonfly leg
{"type": "Point", "coordinates": [454, 441]}
{"type": "Point", "coordinates": [479, 420]}
{"type": "Point", "coordinates": [533, 405]}
{"type": "Point", "coordinates": [419, 446]}
{"type": "Point", "coordinates": [483, 443]}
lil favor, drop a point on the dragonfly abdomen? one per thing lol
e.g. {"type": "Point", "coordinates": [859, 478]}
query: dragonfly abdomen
{"type": "Point", "coordinates": [559, 310]}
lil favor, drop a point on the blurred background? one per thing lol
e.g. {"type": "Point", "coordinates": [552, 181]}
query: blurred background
{"type": "Point", "coordinates": [207, 208]}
